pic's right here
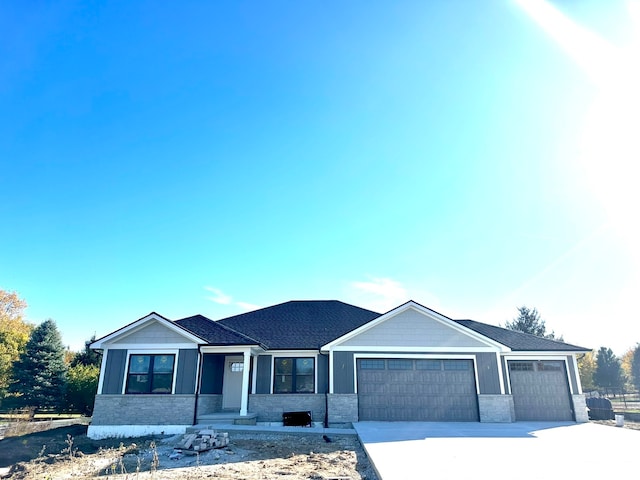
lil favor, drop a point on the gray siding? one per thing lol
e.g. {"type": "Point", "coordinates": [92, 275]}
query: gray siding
{"type": "Point", "coordinates": [153, 332]}
{"type": "Point", "coordinates": [415, 329]}
{"type": "Point", "coordinates": [323, 374]}
{"type": "Point", "coordinates": [488, 379]}
{"type": "Point", "coordinates": [503, 366]}
{"type": "Point", "coordinates": [263, 374]}
{"type": "Point", "coordinates": [343, 381]}
{"type": "Point", "coordinates": [212, 373]}
{"type": "Point", "coordinates": [114, 371]}
{"type": "Point", "coordinates": [186, 371]}
{"type": "Point", "coordinates": [572, 375]}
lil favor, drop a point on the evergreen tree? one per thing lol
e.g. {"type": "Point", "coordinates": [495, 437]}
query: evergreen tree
{"type": "Point", "coordinates": [40, 372]}
{"type": "Point", "coordinates": [529, 321]}
{"type": "Point", "coordinates": [87, 356]}
{"type": "Point", "coordinates": [608, 374]}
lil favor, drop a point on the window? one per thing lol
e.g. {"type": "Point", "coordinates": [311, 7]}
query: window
{"type": "Point", "coordinates": [429, 364]}
{"type": "Point", "coordinates": [457, 364]}
{"type": "Point", "coordinates": [372, 364]}
{"type": "Point", "coordinates": [150, 374]}
{"type": "Point", "coordinates": [398, 364]}
{"type": "Point", "coordinates": [549, 367]}
{"type": "Point", "coordinates": [237, 366]}
{"type": "Point", "coordinates": [521, 366]}
{"type": "Point", "coordinates": [294, 375]}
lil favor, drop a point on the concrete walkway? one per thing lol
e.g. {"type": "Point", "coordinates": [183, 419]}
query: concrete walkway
{"type": "Point", "coordinates": [272, 429]}
{"type": "Point", "coordinates": [523, 450]}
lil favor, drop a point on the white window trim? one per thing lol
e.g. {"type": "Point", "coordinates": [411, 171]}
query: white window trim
{"type": "Point", "coordinates": [414, 357]}
{"type": "Point", "coordinates": [294, 354]}
{"type": "Point", "coordinates": [103, 366]}
{"type": "Point", "coordinates": [155, 351]}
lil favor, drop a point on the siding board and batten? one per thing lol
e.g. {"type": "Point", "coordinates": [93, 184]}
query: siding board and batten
{"type": "Point", "coordinates": [323, 374]}
{"type": "Point", "coordinates": [114, 371]}
{"type": "Point", "coordinates": [186, 371]}
{"type": "Point", "coordinates": [263, 374]}
{"type": "Point", "coordinates": [343, 380]}
{"type": "Point", "coordinates": [488, 379]}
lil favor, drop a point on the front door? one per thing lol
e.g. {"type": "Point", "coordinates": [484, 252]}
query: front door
{"type": "Point", "coordinates": [232, 383]}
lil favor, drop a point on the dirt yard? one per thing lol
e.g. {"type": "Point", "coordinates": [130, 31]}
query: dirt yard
{"type": "Point", "coordinates": [67, 453]}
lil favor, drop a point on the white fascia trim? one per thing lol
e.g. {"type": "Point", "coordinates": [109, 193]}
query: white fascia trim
{"type": "Point", "coordinates": [231, 349]}
{"type": "Point", "coordinates": [138, 324]}
{"type": "Point", "coordinates": [543, 353]}
{"type": "Point", "coordinates": [492, 344]}
{"type": "Point", "coordinates": [153, 346]}
{"type": "Point", "coordinates": [561, 358]}
{"type": "Point", "coordinates": [500, 374]}
{"type": "Point", "coordinates": [386, 349]}
{"type": "Point", "coordinates": [419, 357]}
{"type": "Point", "coordinates": [254, 374]}
{"type": "Point", "coordinates": [197, 374]}
{"type": "Point", "coordinates": [99, 432]}
{"type": "Point", "coordinates": [294, 354]}
{"type": "Point", "coordinates": [577, 373]}
{"type": "Point", "coordinates": [156, 351]}
{"type": "Point", "coordinates": [103, 365]}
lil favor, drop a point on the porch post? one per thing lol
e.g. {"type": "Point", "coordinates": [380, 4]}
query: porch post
{"type": "Point", "coordinates": [244, 403]}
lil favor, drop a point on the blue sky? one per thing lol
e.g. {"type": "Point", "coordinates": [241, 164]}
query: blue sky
{"type": "Point", "coordinates": [217, 157]}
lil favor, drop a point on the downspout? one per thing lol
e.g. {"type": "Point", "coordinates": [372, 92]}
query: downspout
{"type": "Point", "coordinates": [326, 408]}
{"type": "Point", "coordinates": [326, 397]}
{"type": "Point", "coordinates": [198, 380]}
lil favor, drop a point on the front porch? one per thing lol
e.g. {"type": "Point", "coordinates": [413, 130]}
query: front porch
{"type": "Point", "coordinates": [224, 383]}
{"type": "Point", "coordinates": [227, 418]}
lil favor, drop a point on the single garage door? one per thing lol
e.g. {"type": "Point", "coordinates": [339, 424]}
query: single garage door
{"type": "Point", "coordinates": [540, 390]}
{"type": "Point", "coordinates": [400, 389]}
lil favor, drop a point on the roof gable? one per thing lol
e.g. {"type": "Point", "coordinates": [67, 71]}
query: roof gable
{"type": "Point", "coordinates": [411, 326]}
{"type": "Point", "coordinates": [300, 324]}
{"type": "Point", "coordinates": [152, 328]}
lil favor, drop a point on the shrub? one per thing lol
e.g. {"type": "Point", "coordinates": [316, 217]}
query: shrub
{"type": "Point", "coordinates": [82, 385]}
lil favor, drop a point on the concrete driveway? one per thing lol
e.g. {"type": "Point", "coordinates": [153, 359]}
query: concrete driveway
{"type": "Point", "coordinates": [522, 450]}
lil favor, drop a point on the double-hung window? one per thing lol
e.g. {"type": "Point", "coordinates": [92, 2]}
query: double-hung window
{"type": "Point", "coordinates": [150, 374]}
{"type": "Point", "coordinates": [294, 375]}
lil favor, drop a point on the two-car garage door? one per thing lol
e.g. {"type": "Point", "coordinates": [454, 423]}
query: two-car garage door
{"type": "Point", "coordinates": [401, 389]}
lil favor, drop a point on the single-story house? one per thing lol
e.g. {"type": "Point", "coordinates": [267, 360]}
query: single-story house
{"type": "Point", "coordinates": [340, 362]}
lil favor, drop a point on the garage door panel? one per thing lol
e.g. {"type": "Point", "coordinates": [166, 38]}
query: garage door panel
{"type": "Point", "coordinates": [540, 391]}
{"type": "Point", "coordinates": [401, 393]}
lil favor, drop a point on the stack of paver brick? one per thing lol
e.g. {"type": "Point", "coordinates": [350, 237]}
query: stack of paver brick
{"type": "Point", "coordinates": [204, 440]}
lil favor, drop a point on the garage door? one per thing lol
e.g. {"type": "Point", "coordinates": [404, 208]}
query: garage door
{"type": "Point", "coordinates": [398, 389]}
{"type": "Point", "coordinates": [540, 390]}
